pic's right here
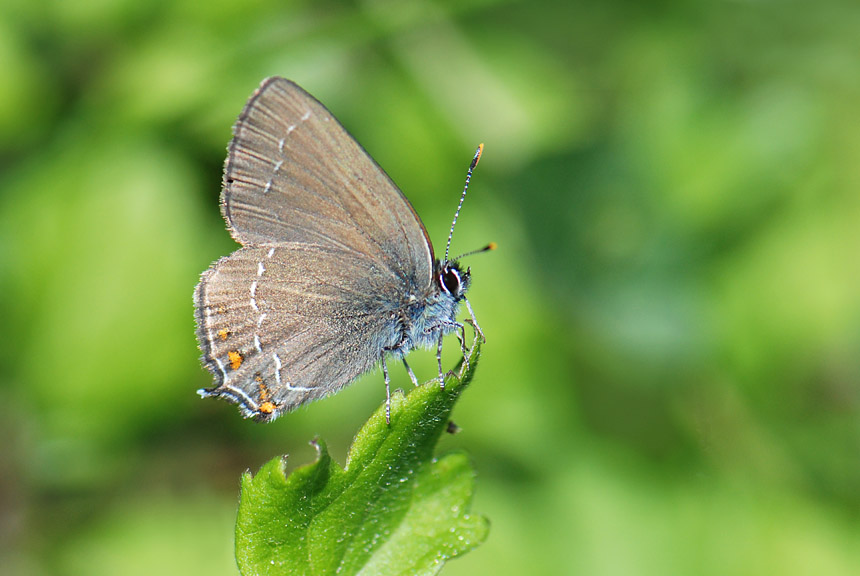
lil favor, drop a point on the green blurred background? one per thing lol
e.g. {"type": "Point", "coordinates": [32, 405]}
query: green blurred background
{"type": "Point", "coordinates": [670, 383]}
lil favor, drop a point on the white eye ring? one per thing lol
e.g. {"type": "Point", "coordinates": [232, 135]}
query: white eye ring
{"type": "Point", "coordinates": [442, 283]}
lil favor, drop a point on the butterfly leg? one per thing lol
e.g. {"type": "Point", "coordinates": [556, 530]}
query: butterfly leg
{"type": "Point", "coordinates": [439, 360]}
{"type": "Point", "coordinates": [410, 372]}
{"type": "Point", "coordinates": [461, 336]}
{"type": "Point", "coordinates": [473, 321]}
{"type": "Point", "coordinates": [460, 331]}
{"type": "Point", "coordinates": [387, 392]}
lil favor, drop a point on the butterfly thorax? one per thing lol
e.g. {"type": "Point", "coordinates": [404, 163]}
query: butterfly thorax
{"type": "Point", "coordinates": [424, 320]}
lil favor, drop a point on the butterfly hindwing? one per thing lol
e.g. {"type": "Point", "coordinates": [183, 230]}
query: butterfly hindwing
{"type": "Point", "coordinates": [286, 324]}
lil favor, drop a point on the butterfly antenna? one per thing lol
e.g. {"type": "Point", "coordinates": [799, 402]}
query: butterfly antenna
{"type": "Point", "coordinates": [463, 197]}
{"type": "Point", "coordinates": [487, 248]}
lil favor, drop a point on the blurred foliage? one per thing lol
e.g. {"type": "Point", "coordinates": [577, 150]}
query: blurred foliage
{"type": "Point", "coordinates": [670, 383]}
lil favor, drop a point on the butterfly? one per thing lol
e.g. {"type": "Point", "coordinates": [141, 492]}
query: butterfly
{"type": "Point", "coordinates": [336, 272]}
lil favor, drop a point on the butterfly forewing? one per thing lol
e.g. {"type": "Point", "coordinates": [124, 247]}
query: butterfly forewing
{"type": "Point", "coordinates": [293, 173]}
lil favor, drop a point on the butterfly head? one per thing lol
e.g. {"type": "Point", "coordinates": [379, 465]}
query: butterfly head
{"type": "Point", "coordinates": [453, 280]}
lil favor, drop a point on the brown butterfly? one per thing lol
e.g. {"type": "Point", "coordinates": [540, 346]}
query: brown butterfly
{"type": "Point", "coordinates": [335, 273]}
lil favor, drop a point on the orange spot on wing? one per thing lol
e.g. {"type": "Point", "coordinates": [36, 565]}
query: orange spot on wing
{"type": "Point", "coordinates": [267, 407]}
{"type": "Point", "coordinates": [223, 333]}
{"type": "Point", "coordinates": [235, 359]}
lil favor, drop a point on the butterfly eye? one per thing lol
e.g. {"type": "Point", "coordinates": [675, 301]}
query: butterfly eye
{"type": "Point", "coordinates": [449, 279]}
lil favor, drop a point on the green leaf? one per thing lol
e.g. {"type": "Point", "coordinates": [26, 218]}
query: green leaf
{"type": "Point", "coordinates": [394, 508]}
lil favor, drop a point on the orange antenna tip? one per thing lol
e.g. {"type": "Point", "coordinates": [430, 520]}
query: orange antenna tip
{"type": "Point", "coordinates": [477, 157]}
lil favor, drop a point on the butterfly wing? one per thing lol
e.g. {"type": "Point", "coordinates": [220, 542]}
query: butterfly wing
{"type": "Point", "coordinates": [332, 253]}
{"type": "Point", "coordinates": [284, 324]}
{"type": "Point", "coordinates": [293, 173]}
